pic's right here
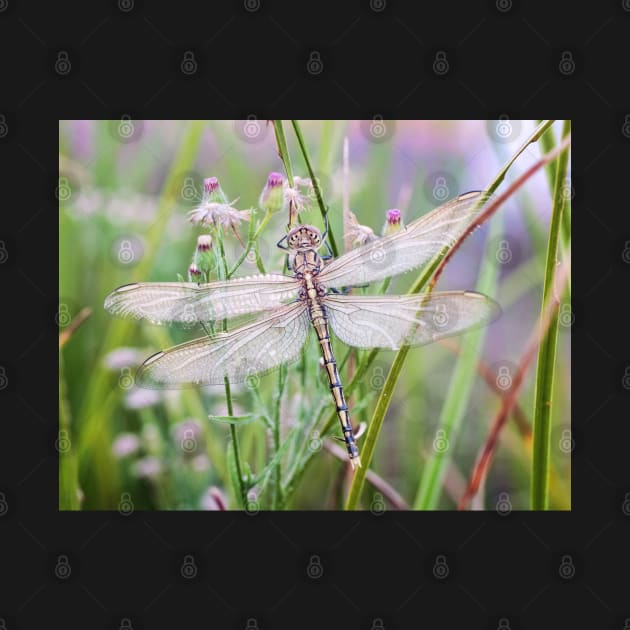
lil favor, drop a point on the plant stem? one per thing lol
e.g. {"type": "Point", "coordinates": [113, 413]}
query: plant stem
{"type": "Point", "coordinates": [311, 174]}
{"type": "Point", "coordinates": [545, 369]}
{"type": "Point", "coordinates": [277, 472]}
{"type": "Point", "coordinates": [252, 237]}
{"type": "Point", "coordinates": [228, 391]}
{"type": "Point", "coordinates": [283, 151]}
{"type": "Point", "coordinates": [235, 445]}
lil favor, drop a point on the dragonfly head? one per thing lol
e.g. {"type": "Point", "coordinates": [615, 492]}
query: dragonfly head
{"type": "Point", "coordinates": [304, 237]}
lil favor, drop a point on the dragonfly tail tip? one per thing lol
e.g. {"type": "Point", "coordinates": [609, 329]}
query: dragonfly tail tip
{"type": "Point", "coordinates": [355, 462]}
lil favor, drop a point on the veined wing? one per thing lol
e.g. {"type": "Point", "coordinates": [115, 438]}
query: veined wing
{"type": "Point", "coordinates": [188, 303]}
{"type": "Point", "coordinates": [411, 247]}
{"type": "Point", "coordinates": [251, 349]}
{"type": "Point", "coordinates": [392, 321]}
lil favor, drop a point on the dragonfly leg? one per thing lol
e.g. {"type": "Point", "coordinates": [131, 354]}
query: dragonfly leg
{"type": "Point", "coordinates": [279, 243]}
{"type": "Point", "coordinates": [329, 253]}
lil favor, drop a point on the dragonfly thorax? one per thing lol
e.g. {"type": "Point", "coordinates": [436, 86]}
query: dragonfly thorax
{"type": "Point", "coordinates": [306, 261]}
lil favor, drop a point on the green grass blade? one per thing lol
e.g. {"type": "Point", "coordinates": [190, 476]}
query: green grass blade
{"type": "Point", "coordinates": [545, 369]}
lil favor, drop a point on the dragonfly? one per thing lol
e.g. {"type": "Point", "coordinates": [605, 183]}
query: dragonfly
{"type": "Point", "coordinates": [316, 296]}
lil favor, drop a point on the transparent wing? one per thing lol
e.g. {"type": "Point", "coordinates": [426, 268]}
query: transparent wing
{"type": "Point", "coordinates": [251, 349]}
{"type": "Point", "coordinates": [188, 303]}
{"type": "Point", "coordinates": [413, 246]}
{"type": "Point", "coordinates": [393, 321]}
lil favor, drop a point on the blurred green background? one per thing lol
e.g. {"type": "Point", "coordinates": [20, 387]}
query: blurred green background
{"type": "Point", "coordinates": [125, 189]}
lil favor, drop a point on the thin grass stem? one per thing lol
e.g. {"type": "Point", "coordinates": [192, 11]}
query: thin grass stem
{"type": "Point", "coordinates": [545, 369]}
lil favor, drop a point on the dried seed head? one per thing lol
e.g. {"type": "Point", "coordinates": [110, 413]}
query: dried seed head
{"type": "Point", "coordinates": [358, 234]}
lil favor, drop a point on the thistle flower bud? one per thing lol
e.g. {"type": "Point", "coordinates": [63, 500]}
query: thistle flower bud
{"type": "Point", "coordinates": [272, 196]}
{"type": "Point", "coordinates": [204, 259]}
{"type": "Point", "coordinates": [393, 222]}
{"type": "Point", "coordinates": [212, 191]}
{"type": "Point", "coordinates": [194, 273]}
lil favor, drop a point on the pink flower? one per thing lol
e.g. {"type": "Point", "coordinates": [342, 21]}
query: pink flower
{"type": "Point", "coordinates": [211, 185]}
{"type": "Point", "coordinates": [148, 467]}
{"type": "Point", "coordinates": [123, 357]}
{"type": "Point", "coordinates": [125, 444]}
{"type": "Point", "coordinates": [139, 398]}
